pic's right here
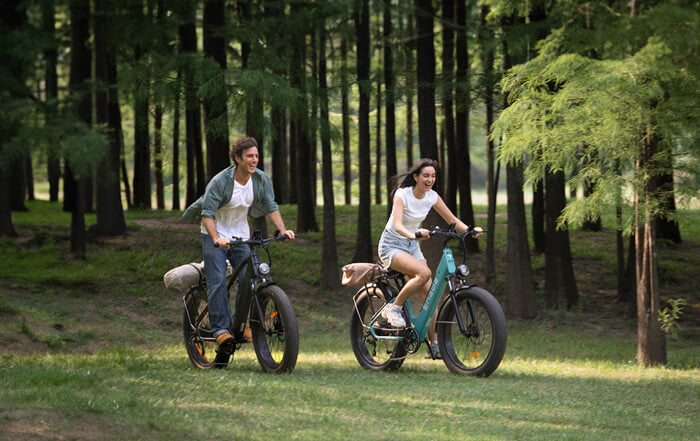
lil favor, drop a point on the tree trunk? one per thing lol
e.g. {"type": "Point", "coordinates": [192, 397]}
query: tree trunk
{"type": "Point", "coordinates": [142, 145]}
{"type": "Point", "coordinates": [214, 102]}
{"type": "Point", "coordinates": [18, 182]}
{"type": "Point", "coordinates": [280, 177]}
{"type": "Point", "coordinates": [80, 73]}
{"type": "Point", "coordinates": [193, 117]}
{"type": "Point", "coordinates": [486, 35]}
{"type": "Point", "coordinates": [520, 292]}
{"type": "Point", "coordinates": [538, 210]}
{"type": "Point", "coordinates": [363, 251]}
{"type": "Point", "coordinates": [666, 226]}
{"type": "Point", "coordinates": [559, 274]}
{"type": "Point", "coordinates": [409, 68]}
{"type": "Point", "coordinates": [378, 133]}
{"type": "Point", "coordinates": [330, 278]}
{"type": "Point", "coordinates": [425, 74]}
{"type": "Point", "coordinates": [389, 105]}
{"type": "Point", "coordinates": [176, 143]}
{"type": "Point", "coordinates": [463, 104]}
{"type": "Point", "coordinates": [347, 171]}
{"type": "Point", "coordinates": [651, 341]}
{"type": "Point", "coordinates": [451, 166]}
{"type": "Point", "coordinates": [53, 161]}
{"type": "Point", "coordinates": [158, 156]}
{"type": "Point", "coordinates": [110, 213]}
{"type": "Point", "coordinates": [306, 218]}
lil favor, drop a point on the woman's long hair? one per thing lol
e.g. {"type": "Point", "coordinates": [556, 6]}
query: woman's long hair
{"type": "Point", "coordinates": [407, 180]}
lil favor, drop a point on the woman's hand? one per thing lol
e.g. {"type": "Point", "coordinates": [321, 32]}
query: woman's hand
{"type": "Point", "coordinates": [478, 231]}
{"type": "Point", "coordinates": [422, 234]}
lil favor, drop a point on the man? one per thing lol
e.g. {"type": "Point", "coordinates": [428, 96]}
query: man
{"type": "Point", "coordinates": [224, 208]}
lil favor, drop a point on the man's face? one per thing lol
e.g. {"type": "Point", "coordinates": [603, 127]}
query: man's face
{"type": "Point", "coordinates": [248, 160]}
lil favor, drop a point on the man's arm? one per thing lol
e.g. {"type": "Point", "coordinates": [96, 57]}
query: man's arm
{"type": "Point", "coordinates": [276, 219]}
{"type": "Point", "coordinates": [210, 226]}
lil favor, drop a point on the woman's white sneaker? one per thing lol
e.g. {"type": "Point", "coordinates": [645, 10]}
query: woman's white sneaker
{"type": "Point", "coordinates": [392, 314]}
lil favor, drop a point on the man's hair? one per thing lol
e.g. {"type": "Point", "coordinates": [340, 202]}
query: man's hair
{"type": "Point", "coordinates": [242, 144]}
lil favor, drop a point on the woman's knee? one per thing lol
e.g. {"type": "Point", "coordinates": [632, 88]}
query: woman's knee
{"type": "Point", "coordinates": [424, 276]}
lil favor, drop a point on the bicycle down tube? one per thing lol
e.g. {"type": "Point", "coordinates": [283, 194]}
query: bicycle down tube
{"type": "Point", "coordinates": [421, 323]}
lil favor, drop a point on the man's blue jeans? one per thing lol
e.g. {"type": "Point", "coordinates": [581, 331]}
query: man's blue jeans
{"type": "Point", "coordinates": [215, 272]}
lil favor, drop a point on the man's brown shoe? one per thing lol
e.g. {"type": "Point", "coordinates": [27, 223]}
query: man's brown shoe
{"type": "Point", "coordinates": [225, 342]}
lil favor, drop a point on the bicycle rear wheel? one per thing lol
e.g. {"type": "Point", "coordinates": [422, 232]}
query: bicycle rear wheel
{"type": "Point", "coordinates": [479, 350]}
{"type": "Point", "coordinates": [372, 353]}
{"type": "Point", "coordinates": [275, 334]}
{"type": "Point", "coordinates": [199, 340]}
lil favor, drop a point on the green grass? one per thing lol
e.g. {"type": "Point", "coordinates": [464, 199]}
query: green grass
{"type": "Point", "coordinates": [92, 350]}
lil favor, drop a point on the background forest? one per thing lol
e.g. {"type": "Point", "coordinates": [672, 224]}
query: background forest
{"type": "Point", "coordinates": [589, 106]}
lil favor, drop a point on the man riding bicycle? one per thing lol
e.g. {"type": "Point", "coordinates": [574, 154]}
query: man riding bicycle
{"type": "Point", "coordinates": [228, 198]}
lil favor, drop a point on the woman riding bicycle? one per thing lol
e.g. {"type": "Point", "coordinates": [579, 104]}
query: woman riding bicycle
{"type": "Point", "coordinates": [399, 250]}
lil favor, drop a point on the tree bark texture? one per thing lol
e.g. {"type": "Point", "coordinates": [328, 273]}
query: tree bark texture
{"type": "Point", "coordinates": [193, 117]}
{"type": "Point", "coordinates": [142, 145]}
{"type": "Point", "coordinates": [110, 213]}
{"type": "Point", "coordinates": [214, 102]}
{"type": "Point", "coordinates": [389, 106]}
{"type": "Point", "coordinates": [344, 89]}
{"type": "Point", "coordinates": [425, 75]}
{"type": "Point", "coordinates": [53, 161]}
{"type": "Point", "coordinates": [330, 278]}
{"type": "Point", "coordinates": [559, 273]}
{"type": "Point", "coordinates": [158, 156]}
{"type": "Point", "coordinates": [538, 210]}
{"type": "Point", "coordinates": [378, 156]}
{"type": "Point", "coordinates": [651, 341]}
{"type": "Point", "coordinates": [451, 166]}
{"type": "Point", "coordinates": [463, 105]}
{"type": "Point", "coordinates": [520, 292]}
{"type": "Point", "coordinates": [363, 251]}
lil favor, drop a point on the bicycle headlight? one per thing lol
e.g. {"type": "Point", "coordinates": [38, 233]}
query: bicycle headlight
{"type": "Point", "coordinates": [264, 268]}
{"type": "Point", "coordinates": [462, 270]}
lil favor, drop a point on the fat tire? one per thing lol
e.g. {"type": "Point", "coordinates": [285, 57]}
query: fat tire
{"type": "Point", "coordinates": [278, 327]}
{"type": "Point", "coordinates": [491, 323]}
{"type": "Point", "coordinates": [363, 344]}
{"type": "Point", "coordinates": [202, 353]}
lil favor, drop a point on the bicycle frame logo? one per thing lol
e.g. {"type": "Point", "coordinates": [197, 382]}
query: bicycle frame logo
{"type": "Point", "coordinates": [446, 270]}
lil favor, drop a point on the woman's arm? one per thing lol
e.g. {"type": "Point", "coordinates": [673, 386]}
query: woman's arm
{"type": "Point", "coordinates": [445, 212]}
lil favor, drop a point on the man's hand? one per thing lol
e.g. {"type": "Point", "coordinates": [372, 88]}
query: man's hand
{"type": "Point", "coordinates": [477, 232]}
{"type": "Point", "coordinates": [222, 242]}
{"type": "Point", "coordinates": [288, 233]}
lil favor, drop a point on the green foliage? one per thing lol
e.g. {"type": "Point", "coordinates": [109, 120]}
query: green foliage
{"type": "Point", "coordinates": [574, 111]}
{"type": "Point", "coordinates": [668, 317]}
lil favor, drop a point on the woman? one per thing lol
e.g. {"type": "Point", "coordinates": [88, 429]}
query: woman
{"type": "Point", "coordinates": [398, 246]}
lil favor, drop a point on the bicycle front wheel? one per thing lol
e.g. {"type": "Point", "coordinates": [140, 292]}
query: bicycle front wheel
{"type": "Point", "coordinates": [480, 348]}
{"type": "Point", "coordinates": [275, 334]}
{"type": "Point", "coordinates": [199, 340]}
{"type": "Point", "coordinates": [373, 353]}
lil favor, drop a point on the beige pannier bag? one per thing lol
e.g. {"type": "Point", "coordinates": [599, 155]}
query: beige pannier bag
{"type": "Point", "coordinates": [360, 273]}
{"type": "Point", "coordinates": [184, 277]}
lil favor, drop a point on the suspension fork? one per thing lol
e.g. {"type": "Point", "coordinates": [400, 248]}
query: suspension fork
{"type": "Point", "coordinates": [458, 315]}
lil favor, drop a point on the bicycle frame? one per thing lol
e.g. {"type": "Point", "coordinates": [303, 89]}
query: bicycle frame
{"type": "Point", "coordinates": [253, 281]}
{"type": "Point", "coordinates": [443, 275]}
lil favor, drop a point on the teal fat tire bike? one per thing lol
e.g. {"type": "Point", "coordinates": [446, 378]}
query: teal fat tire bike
{"type": "Point", "coordinates": [471, 326]}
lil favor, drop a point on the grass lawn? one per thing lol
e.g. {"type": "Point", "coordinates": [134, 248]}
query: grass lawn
{"type": "Point", "coordinates": [92, 351]}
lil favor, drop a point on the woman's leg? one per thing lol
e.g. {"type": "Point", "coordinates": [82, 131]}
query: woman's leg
{"type": "Point", "coordinates": [418, 272]}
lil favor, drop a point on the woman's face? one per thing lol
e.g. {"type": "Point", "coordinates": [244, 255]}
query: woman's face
{"type": "Point", "coordinates": [425, 178]}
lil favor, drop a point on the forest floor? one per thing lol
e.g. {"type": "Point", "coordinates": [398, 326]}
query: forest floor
{"type": "Point", "coordinates": [52, 307]}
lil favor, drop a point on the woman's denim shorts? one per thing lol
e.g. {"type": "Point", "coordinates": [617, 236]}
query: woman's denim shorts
{"type": "Point", "coordinates": [389, 245]}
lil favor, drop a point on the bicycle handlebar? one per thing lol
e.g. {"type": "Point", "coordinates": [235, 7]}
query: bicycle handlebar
{"type": "Point", "coordinates": [239, 241]}
{"type": "Point", "coordinates": [451, 234]}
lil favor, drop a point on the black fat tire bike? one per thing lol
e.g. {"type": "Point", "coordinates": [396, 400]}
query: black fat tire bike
{"type": "Point", "coordinates": [266, 307]}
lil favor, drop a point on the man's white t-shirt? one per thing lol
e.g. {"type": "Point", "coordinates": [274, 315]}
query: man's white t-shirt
{"type": "Point", "coordinates": [414, 210]}
{"type": "Point", "coordinates": [232, 217]}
